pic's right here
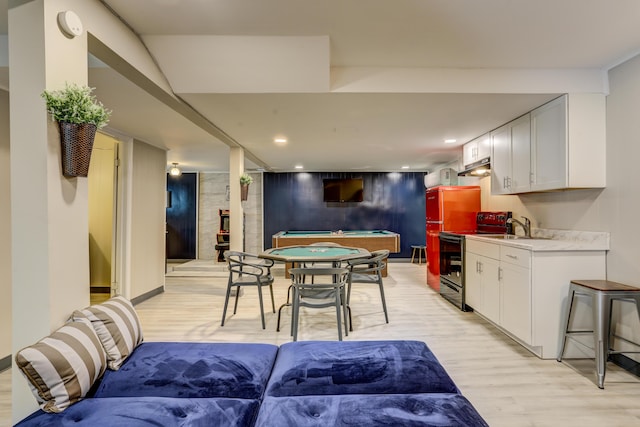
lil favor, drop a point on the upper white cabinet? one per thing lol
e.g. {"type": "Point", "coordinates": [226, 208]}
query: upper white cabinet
{"type": "Point", "coordinates": [476, 150]}
{"type": "Point", "coordinates": [559, 145]}
{"type": "Point", "coordinates": [510, 157]}
{"type": "Point", "coordinates": [568, 143]}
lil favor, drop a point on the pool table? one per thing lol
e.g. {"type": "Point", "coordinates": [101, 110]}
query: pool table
{"type": "Point", "coordinates": [371, 240]}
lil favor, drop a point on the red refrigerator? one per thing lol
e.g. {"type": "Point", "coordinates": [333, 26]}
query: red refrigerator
{"type": "Point", "coordinates": [449, 208]}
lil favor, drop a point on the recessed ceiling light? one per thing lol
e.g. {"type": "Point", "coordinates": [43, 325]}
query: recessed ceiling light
{"type": "Point", "coordinates": [405, 167]}
{"type": "Point", "coordinates": [280, 140]}
{"type": "Point", "coordinates": [449, 141]}
{"type": "Point", "coordinates": [299, 167]}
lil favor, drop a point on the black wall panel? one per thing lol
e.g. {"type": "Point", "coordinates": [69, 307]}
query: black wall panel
{"type": "Point", "coordinates": [392, 201]}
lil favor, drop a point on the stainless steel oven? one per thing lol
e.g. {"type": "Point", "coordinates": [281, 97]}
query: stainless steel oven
{"type": "Point", "coordinates": [452, 248]}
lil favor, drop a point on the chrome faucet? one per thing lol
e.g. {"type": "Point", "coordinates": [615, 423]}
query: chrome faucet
{"type": "Point", "coordinates": [526, 226]}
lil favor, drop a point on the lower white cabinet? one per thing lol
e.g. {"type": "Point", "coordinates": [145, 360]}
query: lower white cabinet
{"type": "Point", "coordinates": [482, 290]}
{"type": "Point", "coordinates": [524, 291]}
{"type": "Point", "coordinates": [515, 300]}
{"type": "Point", "coordinates": [498, 286]}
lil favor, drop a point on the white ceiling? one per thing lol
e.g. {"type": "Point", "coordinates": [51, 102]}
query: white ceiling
{"type": "Point", "coordinates": [338, 77]}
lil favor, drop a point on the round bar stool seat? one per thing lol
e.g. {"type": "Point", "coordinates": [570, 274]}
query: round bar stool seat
{"type": "Point", "coordinates": [602, 293]}
{"type": "Point", "coordinates": [420, 249]}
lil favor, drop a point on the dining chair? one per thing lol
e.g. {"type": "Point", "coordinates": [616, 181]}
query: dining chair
{"type": "Point", "coordinates": [368, 270]}
{"type": "Point", "coordinates": [306, 265]}
{"type": "Point", "coordinates": [326, 264]}
{"type": "Point", "coordinates": [329, 291]}
{"type": "Point", "coordinates": [246, 269]}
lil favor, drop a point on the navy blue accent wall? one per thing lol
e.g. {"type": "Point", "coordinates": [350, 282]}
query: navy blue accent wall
{"type": "Point", "coordinates": [392, 201]}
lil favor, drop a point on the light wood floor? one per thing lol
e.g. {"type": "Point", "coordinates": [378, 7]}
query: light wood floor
{"type": "Point", "coordinates": [507, 384]}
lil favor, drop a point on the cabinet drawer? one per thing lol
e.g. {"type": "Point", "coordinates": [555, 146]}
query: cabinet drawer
{"type": "Point", "coordinates": [481, 248]}
{"type": "Point", "coordinates": [516, 256]}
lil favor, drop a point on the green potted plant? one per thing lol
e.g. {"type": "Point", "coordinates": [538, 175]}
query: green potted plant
{"type": "Point", "coordinates": [245, 180]}
{"type": "Point", "coordinates": [79, 115]}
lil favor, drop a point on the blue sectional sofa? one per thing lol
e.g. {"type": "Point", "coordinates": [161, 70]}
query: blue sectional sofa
{"type": "Point", "coordinates": [312, 383]}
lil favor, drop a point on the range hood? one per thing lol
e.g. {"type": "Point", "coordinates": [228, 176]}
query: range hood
{"type": "Point", "coordinates": [480, 168]}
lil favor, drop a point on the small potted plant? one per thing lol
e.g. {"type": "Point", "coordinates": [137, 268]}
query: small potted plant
{"type": "Point", "coordinates": [79, 115]}
{"type": "Point", "coordinates": [245, 180]}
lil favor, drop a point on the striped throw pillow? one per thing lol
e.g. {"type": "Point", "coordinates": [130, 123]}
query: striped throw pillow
{"type": "Point", "coordinates": [62, 367]}
{"type": "Point", "coordinates": [118, 327]}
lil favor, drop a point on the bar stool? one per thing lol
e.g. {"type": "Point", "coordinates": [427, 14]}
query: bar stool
{"type": "Point", "coordinates": [420, 249]}
{"type": "Point", "coordinates": [602, 293]}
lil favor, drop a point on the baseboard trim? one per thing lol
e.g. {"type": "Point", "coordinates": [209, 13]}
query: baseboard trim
{"type": "Point", "coordinates": [5, 363]}
{"type": "Point", "coordinates": [626, 363]}
{"type": "Point", "coordinates": [146, 296]}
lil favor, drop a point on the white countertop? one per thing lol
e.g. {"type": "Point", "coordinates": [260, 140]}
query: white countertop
{"type": "Point", "coordinates": [547, 240]}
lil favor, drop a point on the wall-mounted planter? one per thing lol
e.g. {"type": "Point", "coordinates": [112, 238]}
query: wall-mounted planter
{"type": "Point", "coordinates": [77, 143]}
{"type": "Point", "coordinates": [244, 192]}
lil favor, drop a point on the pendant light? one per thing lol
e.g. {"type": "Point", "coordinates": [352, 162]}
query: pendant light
{"type": "Point", "coordinates": [175, 170]}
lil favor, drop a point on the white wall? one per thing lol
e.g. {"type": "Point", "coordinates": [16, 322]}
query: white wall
{"type": "Point", "coordinates": [147, 220]}
{"type": "Point", "coordinates": [565, 210]}
{"type": "Point", "coordinates": [621, 199]}
{"type": "Point", "coordinates": [5, 229]}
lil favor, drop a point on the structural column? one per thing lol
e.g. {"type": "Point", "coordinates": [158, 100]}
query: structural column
{"type": "Point", "coordinates": [236, 214]}
{"type": "Point", "coordinates": [50, 257]}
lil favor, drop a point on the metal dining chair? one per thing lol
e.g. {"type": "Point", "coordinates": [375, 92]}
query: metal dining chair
{"type": "Point", "coordinates": [329, 291]}
{"type": "Point", "coordinates": [315, 264]}
{"type": "Point", "coordinates": [246, 269]}
{"type": "Point", "coordinates": [368, 270]}
{"type": "Point", "coordinates": [307, 265]}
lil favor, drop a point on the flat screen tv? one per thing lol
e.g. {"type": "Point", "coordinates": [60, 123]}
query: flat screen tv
{"type": "Point", "coordinates": [343, 190]}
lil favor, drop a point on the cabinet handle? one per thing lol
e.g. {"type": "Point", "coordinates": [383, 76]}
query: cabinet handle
{"type": "Point", "coordinates": [512, 256]}
{"type": "Point", "coordinates": [479, 267]}
{"type": "Point", "coordinates": [531, 178]}
{"type": "Point", "coordinates": [499, 273]}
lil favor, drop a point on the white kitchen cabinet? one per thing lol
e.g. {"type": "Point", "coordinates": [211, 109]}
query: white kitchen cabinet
{"type": "Point", "coordinates": [476, 150]}
{"type": "Point", "coordinates": [557, 146]}
{"type": "Point", "coordinates": [568, 143]}
{"type": "Point", "coordinates": [490, 270]}
{"type": "Point", "coordinates": [515, 292]}
{"type": "Point", "coordinates": [472, 281]}
{"type": "Point", "coordinates": [498, 285]}
{"type": "Point", "coordinates": [524, 291]}
{"type": "Point", "coordinates": [511, 157]}
{"type": "Point", "coordinates": [482, 290]}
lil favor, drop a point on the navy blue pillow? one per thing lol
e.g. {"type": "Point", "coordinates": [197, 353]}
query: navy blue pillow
{"type": "Point", "coordinates": [174, 369]}
{"type": "Point", "coordinates": [149, 411]}
{"type": "Point", "coordinates": [357, 367]}
{"type": "Point", "coordinates": [394, 410]}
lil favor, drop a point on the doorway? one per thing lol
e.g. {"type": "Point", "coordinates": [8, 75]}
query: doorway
{"type": "Point", "coordinates": [102, 180]}
{"type": "Point", "coordinates": [182, 216]}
